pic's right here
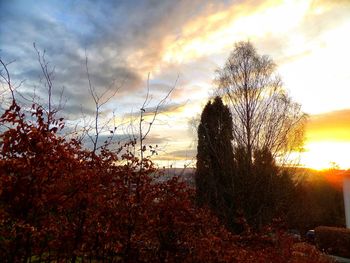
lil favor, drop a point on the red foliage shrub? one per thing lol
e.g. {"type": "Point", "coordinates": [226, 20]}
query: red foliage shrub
{"type": "Point", "coordinates": [59, 202]}
{"type": "Point", "coordinates": [274, 244]}
{"type": "Point", "coordinates": [333, 240]}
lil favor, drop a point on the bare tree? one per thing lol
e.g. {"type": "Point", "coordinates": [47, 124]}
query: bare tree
{"type": "Point", "coordinates": [6, 78]}
{"type": "Point", "coordinates": [267, 126]}
{"type": "Point", "coordinates": [48, 76]}
{"type": "Point", "coordinates": [264, 116]}
{"type": "Point", "coordinates": [95, 130]}
{"type": "Point", "coordinates": [145, 126]}
{"type": "Point", "coordinates": [92, 129]}
{"type": "Point", "coordinates": [50, 108]}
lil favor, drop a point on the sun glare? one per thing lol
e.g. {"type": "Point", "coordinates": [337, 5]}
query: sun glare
{"type": "Point", "coordinates": [324, 155]}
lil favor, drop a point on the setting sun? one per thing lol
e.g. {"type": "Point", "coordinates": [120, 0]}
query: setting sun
{"type": "Point", "coordinates": [327, 140]}
{"type": "Point", "coordinates": [324, 155]}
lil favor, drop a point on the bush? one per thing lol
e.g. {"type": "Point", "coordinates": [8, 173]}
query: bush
{"type": "Point", "coordinates": [60, 202]}
{"type": "Point", "coordinates": [333, 240]}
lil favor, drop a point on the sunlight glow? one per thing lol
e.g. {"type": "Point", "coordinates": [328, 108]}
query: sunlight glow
{"type": "Point", "coordinates": [214, 33]}
{"type": "Point", "coordinates": [317, 58]}
{"type": "Point", "coordinates": [322, 155]}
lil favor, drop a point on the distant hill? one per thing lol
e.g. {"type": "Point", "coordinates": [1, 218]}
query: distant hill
{"type": "Point", "coordinates": [333, 176]}
{"type": "Point", "coordinates": [185, 174]}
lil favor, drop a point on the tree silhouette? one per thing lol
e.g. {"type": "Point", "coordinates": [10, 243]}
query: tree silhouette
{"type": "Point", "coordinates": [215, 163]}
{"type": "Point", "coordinates": [264, 116]}
{"type": "Point", "coordinates": [267, 126]}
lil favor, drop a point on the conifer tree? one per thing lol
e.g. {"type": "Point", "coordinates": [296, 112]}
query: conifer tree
{"type": "Point", "coordinates": [215, 162]}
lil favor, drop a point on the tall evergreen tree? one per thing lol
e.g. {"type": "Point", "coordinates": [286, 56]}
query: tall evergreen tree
{"type": "Point", "coordinates": [215, 161]}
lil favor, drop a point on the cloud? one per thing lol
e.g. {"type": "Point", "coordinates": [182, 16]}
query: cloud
{"type": "Point", "coordinates": [165, 109]}
{"type": "Point", "coordinates": [330, 126]}
{"type": "Point", "coordinates": [124, 40]}
{"type": "Point", "coordinates": [156, 139]}
{"type": "Point", "coordinates": [320, 15]}
{"type": "Point", "coordinates": [179, 155]}
{"type": "Point", "coordinates": [114, 142]}
{"type": "Point", "coordinates": [186, 90]}
{"type": "Point", "coordinates": [169, 109]}
{"type": "Point", "coordinates": [185, 154]}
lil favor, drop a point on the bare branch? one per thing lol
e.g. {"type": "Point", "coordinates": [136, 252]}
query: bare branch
{"type": "Point", "coordinates": [143, 134]}
{"type": "Point", "coordinates": [7, 78]}
{"type": "Point", "coordinates": [100, 100]}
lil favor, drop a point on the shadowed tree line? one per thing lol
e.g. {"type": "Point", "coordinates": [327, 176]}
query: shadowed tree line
{"type": "Point", "coordinates": [245, 137]}
{"type": "Point", "coordinates": [228, 183]}
{"type": "Point", "coordinates": [318, 201]}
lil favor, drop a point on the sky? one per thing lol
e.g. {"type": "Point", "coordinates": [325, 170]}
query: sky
{"type": "Point", "coordinates": [180, 44]}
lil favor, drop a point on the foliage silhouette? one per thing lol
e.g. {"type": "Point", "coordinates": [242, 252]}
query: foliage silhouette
{"type": "Point", "coordinates": [215, 163]}
{"type": "Point", "coordinates": [267, 126]}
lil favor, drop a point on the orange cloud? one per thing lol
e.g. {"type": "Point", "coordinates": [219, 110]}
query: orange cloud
{"type": "Point", "coordinates": [218, 31]}
{"type": "Point", "coordinates": [327, 140]}
{"type": "Point", "coordinates": [330, 126]}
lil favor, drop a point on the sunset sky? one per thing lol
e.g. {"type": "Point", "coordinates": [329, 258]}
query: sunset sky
{"type": "Point", "coordinates": [183, 43]}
